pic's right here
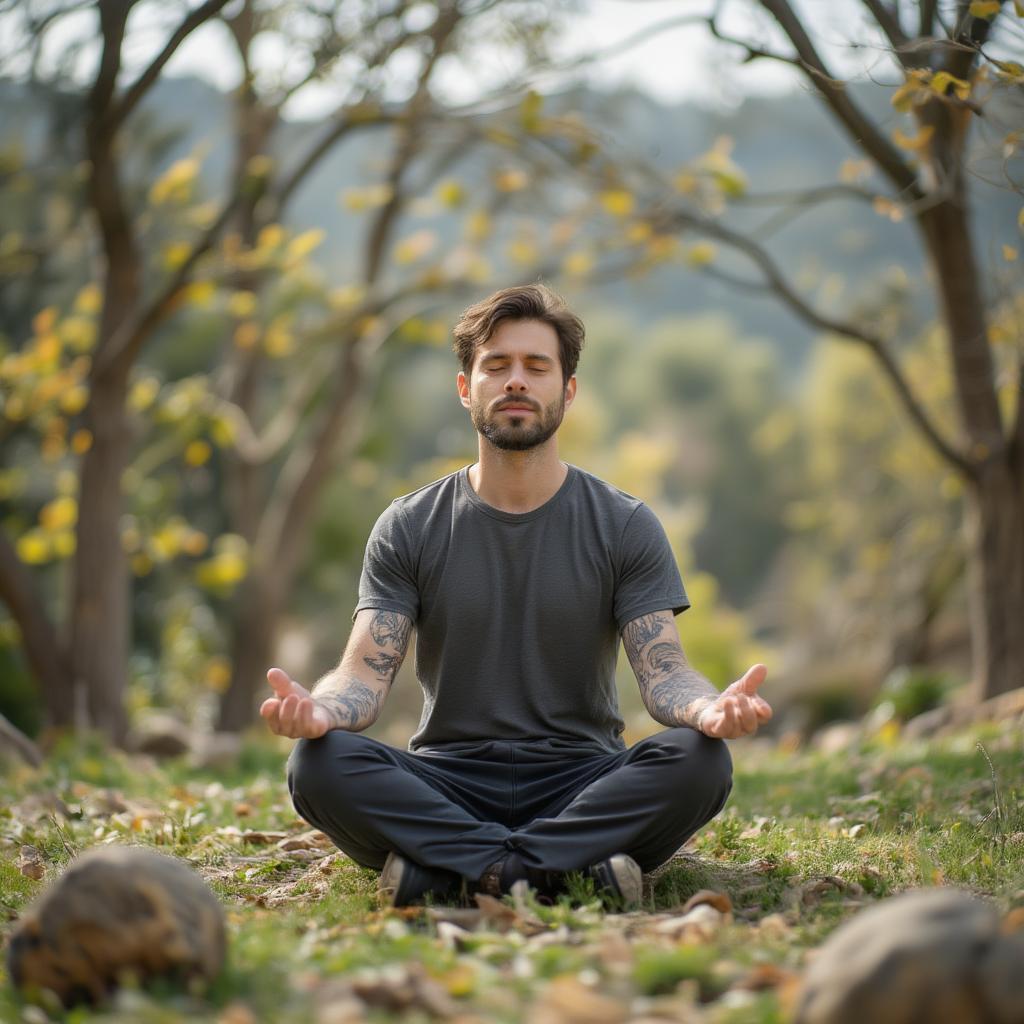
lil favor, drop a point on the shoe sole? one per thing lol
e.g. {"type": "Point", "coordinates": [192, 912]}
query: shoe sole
{"type": "Point", "coordinates": [390, 880]}
{"type": "Point", "coordinates": [629, 878]}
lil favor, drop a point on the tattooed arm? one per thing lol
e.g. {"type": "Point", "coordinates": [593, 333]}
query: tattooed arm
{"type": "Point", "coordinates": [676, 694]}
{"type": "Point", "coordinates": [350, 696]}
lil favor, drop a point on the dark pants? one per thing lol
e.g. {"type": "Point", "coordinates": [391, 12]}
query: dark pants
{"type": "Point", "coordinates": [559, 809]}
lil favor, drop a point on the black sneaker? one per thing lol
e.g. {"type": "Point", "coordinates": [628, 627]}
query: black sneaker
{"type": "Point", "coordinates": [618, 879]}
{"type": "Point", "coordinates": [404, 883]}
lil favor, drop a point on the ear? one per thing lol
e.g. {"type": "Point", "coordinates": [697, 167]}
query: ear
{"type": "Point", "coordinates": [463, 387]}
{"type": "Point", "coordinates": [570, 390]}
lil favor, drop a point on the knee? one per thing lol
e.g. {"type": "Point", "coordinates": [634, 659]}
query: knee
{"type": "Point", "coordinates": [707, 761]}
{"type": "Point", "coordinates": [314, 766]}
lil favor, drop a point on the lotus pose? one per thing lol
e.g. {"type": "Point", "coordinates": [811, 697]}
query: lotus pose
{"type": "Point", "coordinates": [519, 574]}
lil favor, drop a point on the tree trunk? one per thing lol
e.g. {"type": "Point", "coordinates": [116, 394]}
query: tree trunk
{"type": "Point", "coordinates": [995, 537]}
{"type": "Point", "coordinates": [253, 633]}
{"type": "Point", "coordinates": [100, 610]}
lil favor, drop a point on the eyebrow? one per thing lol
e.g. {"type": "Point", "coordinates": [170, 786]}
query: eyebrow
{"type": "Point", "coordinates": [534, 357]}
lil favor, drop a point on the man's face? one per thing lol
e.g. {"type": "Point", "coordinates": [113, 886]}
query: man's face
{"type": "Point", "coordinates": [514, 392]}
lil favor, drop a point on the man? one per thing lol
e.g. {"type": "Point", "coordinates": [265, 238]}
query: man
{"type": "Point", "coordinates": [519, 574]}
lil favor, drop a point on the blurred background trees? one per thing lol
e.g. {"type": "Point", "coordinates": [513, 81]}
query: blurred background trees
{"type": "Point", "coordinates": [225, 334]}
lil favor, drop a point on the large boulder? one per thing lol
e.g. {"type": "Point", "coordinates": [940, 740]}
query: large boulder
{"type": "Point", "coordinates": [935, 955]}
{"type": "Point", "coordinates": [117, 913]}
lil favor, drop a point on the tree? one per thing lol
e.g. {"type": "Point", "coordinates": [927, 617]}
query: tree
{"type": "Point", "coordinates": [947, 75]}
{"type": "Point", "coordinates": [154, 268]}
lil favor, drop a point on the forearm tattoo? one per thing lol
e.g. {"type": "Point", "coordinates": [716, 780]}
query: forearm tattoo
{"type": "Point", "coordinates": [352, 699]}
{"type": "Point", "coordinates": [672, 691]}
{"type": "Point", "coordinates": [353, 708]}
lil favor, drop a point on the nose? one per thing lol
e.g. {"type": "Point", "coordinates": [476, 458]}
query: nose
{"type": "Point", "coordinates": [516, 380]}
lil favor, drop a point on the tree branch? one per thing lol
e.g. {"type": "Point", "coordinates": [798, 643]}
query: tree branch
{"type": "Point", "coordinates": [864, 133]}
{"type": "Point", "coordinates": [13, 738]}
{"type": "Point", "coordinates": [877, 345]}
{"type": "Point", "coordinates": [142, 84]}
{"type": "Point", "coordinates": [888, 21]}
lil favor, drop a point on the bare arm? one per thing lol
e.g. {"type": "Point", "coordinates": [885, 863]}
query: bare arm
{"type": "Point", "coordinates": [672, 691]}
{"type": "Point", "coordinates": [351, 696]}
{"type": "Point", "coordinates": [676, 694]}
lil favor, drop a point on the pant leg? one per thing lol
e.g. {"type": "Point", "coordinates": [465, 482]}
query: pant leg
{"type": "Point", "coordinates": [372, 799]}
{"type": "Point", "coordinates": [646, 802]}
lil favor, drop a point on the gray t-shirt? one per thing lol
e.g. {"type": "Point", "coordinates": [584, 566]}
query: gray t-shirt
{"type": "Point", "coordinates": [518, 615]}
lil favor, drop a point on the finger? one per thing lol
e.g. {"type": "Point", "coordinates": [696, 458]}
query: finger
{"type": "Point", "coordinates": [728, 729]}
{"type": "Point", "coordinates": [750, 681]}
{"type": "Point", "coordinates": [306, 723]}
{"type": "Point", "coordinates": [289, 706]}
{"type": "Point", "coordinates": [270, 710]}
{"type": "Point", "coordinates": [280, 681]}
{"type": "Point", "coordinates": [746, 715]}
{"type": "Point", "coordinates": [762, 708]}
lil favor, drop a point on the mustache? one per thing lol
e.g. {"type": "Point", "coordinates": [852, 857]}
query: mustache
{"type": "Point", "coordinates": [505, 403]}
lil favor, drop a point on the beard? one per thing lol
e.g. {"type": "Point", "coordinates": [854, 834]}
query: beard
{"type": "Point", "coordinates": [517, 432]}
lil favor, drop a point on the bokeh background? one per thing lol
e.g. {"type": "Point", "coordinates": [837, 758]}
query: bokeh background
{"type": "Point", "coordinates": [234, 237]}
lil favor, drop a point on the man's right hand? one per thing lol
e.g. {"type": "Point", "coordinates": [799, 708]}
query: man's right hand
{"type": "Point", "coordinates": [292, 711]}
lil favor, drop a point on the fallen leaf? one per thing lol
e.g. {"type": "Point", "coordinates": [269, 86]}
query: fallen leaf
{"type": "Point", "coordinates": [766, 976]}
{"type": "Point", "coordinates": [312, 840]}
{"type": "Point", "coordinates": [568, 1001]}
{"type": "Point", "coordinates": [31, 863]}
{"type": "Point", "coordinates": [719, 900]}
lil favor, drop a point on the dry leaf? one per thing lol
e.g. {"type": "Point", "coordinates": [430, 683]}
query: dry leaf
{"type": "Point", "coordinates": [766, 976]}
{"type": "Point", "coordinates": [719, 900]}
{"type": "Point", "coordinates": [312, 840]}
{"type": "Point", "coordinates": [31, 863]}
{"type": "Point", "coordinates": [568, 1001]}
{"type": "Point", "coordinates": [699, 925]}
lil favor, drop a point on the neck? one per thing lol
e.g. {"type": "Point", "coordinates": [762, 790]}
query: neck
{"type": "Point", "coordinates": [517, 481]}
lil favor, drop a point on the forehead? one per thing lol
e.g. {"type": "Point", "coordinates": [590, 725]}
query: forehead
{"type": "Point", "coordinates": [522, 336]}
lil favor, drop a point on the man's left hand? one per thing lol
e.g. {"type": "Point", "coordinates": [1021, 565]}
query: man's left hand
{"type": "Point", "coordinates": [738, 711]}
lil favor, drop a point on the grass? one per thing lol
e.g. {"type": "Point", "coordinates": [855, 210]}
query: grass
{"type": "Point", "coordinates": [806, 841]}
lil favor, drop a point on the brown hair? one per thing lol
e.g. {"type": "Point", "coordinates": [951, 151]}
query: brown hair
{"type": "Point", "coordinates": [523, 302]}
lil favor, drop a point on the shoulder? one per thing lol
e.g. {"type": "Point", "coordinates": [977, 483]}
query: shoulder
{"type": "Point", "coordinates": [421, 504]}
{"type": "Point", "coordinates": [601, 493]}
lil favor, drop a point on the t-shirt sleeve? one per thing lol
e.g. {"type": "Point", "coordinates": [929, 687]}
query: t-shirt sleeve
{"type": "Point", "coordinates": [388, 579]}
{"type": "Point", "coordinates": [649, 579]}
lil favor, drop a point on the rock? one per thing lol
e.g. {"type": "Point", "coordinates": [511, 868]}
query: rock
{"type": "Point", "coordinates": [216, 751]}
{"type": "Point", "coordinates": [838, 737]}
{"type": "Point", "coordinates": [935, 955]}
{"type": "Point", "coordinates": [160, 734]}
{"type": "Point", "coordinates": [117, 912]}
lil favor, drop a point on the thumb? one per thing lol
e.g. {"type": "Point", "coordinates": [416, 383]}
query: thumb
{"type": "Point", "coordinates": [280, 682]}
{"type": "Point", "coordinates": [750, 680]}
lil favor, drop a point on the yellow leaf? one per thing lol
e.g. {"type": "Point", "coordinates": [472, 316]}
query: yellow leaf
{"type": "Point", "coordinates": [415, 247]}
{"type": "Point", "coordinates": [143, 394]}
{"type": "Point", "coordinates": [222, 430]}
{"type": "Point", "coordinates": [89, 299]}
{"type": "Point", "coordinates": [346, 297]}
{"type": "Point", "coordinates": [1009, 253]}
{"type": "Point", "coordinates": [478, 226]}
{"type": "Point", "coordinates": [450, 193]}
{"type": "Point", "coordinates": [523, 252]}
{"type": "Point", "coordinates": [530, 110]}
{"type": "Point", "coordinates": [197, 452]}
{"type": "Point", "coordinates": [142, 564]}
{"type": "Point", "coordinates": [64, 544]}
{"type": "Point", "coordinates": [175, 254]}
{"type": "Point", "coordinates": [78, 333]}
{"type": "Point", "coordinates": [511, 180]}
{"type": "Point", "coordinates": [270, 237]}
{"type": "Point", "coordinates": [175, 184]}
{"type": "Point", "coordinates": [686, 182]}
{"type": "Point", "coordinates": [74, 399]}
{"type": "Point", "coordinates": [242, 304]}
{"type": "Point", "coordinates": [200, 293]}
{"type": "Point", "coordinates": [218, 674]}
{"type": "Point", "coordinates": [359, 199]}
{"type": "Point", "coordinates": [986, 9]}
{"type": "Point", "coordinates": [195, 542]}
{"type": "Point", "coordinates": [700, 254]}
{"type": "Point", "coordinates": [279, 340]}
{"type": "Point", "coordinates": [618, 202]}
{"type": "Point", "coordinates": [58, 514]}
{"type": "Point", "coordinates": [302, 245]}
{"type": "Point", "coordinates": [578, 264]}
{"type": "Point", "coordinates": [33, 547]}
{"type": "Point", "coordinates": [43, 322]}
{"type": "Point", "coordinates": [81, 441]}
{"type": "Point", "coordinates": [223, 571]}
{"type": "Point", "coordinates": [914, 142]}
{"type": "Point", "coordinates": [53, 448]}
{"type": "Point", "coordinates": [942, 81]}
{"type": "Point", "coordinates": [638, 231]}
{"type": "Point", "coordinates": [15, 408]}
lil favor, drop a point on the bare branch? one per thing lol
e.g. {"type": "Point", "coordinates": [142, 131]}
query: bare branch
{"type": "Point", "coordinates": [142, 84]}
{"type": "Point", "coordinates": [926, 17]}
{"type": "Point", "coordinates": [888, 21]}
{"type": "Point", "coordinates": [776, 281]}
{"type": "Point", "coordinates": [861, 129]}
